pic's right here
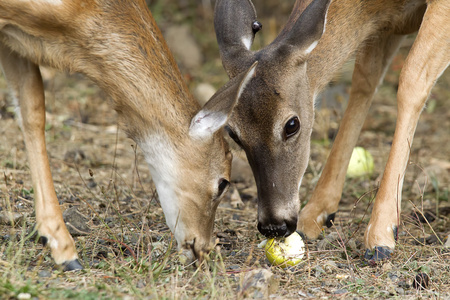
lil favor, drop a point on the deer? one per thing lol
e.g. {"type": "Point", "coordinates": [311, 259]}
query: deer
{"type": "Point", "coordinates": [118, 45]}
{"type": "Point", "coordinates": [274, 117]}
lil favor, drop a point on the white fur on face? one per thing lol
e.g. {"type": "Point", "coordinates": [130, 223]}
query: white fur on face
{"type": "Point", "coordinates": [163, 164]}
{"type": "Point", "coordinates": [247, 41]}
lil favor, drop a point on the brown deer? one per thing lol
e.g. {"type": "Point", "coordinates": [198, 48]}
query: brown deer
{"type": "Point", "coordinates": [274, 117]}
{"type": "Point", "coordinates": [118, 45]}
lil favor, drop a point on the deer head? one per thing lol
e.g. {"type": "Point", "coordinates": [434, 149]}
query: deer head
{"type": "Point", "coordinates": [274, 117]}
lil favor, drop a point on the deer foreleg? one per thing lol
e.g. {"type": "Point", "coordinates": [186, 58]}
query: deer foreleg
{"type": "Point", "coordinates": [427, 60]}
{"type": "Point", "coordinates": [371, 63]}
{"type": "Point", "coordinates": [25, 82]}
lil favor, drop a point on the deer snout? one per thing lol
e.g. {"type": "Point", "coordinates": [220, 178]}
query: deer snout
{"type": "Point", "coordinates": [277, 227]}
{"type": "Point", "coordinates": [196, 249]}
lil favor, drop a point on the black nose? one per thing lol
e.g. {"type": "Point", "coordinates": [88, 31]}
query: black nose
{"type": "Point", "coordinates": [270, 230]}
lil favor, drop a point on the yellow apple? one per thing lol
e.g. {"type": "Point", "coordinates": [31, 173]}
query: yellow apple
{"type": "Point", "coordinates": [361, 163]}
{"type": "Point", "coordinates": [285, 252]}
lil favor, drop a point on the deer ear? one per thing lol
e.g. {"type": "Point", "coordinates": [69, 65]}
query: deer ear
{"type": "Point", "coordinates": [235, 25]}
{"type": "Point", "coordinates": [309, 27]}
{"type": "Point", "coordinates": [214, 115]}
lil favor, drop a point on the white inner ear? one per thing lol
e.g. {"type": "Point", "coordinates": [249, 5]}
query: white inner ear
{"type": "Point", "coordinates": [205, 123]}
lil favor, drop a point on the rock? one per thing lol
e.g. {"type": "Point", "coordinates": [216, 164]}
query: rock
{"type": "Point", "coordinates": [76, 222]}
{"type": "Point", "coordinates": [235, 200]}
{"type": "Point", "coordinates": [340, 291]}
{"type": "Point", "coordinates": [387, 266]}
{"type": "Point", "coordinates": [328, 242]}
{"type": "Point", "coordinates": [76, 156]}
{"type": "Point", "coordinates": [184, 47]}
{"type": "Point", "coordinates": [257, 284]}
{"type": "Point", "coordinates": [24, 296]}
{"type": "Point", "coordinates": [44, 274]}
{"type": "Point", "coordinates": [203, 92]}
{"type": "Point", "coordinates": [318, 271]}
{"type": "Point", "coordinates": [10, 218]}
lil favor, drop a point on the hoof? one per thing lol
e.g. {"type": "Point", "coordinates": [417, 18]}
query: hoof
{"type": "Point", "coordinates": [421, 281]}
{"type": "Point", "coordinates": [330, 220]}
{"type": "Point", "coordinates": [378, 254]}
{"type": "Point", "coordinates": [72, 265]}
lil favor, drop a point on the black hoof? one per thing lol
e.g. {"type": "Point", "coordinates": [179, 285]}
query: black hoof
{"type": "Point", "coordinates": [72, 265]}
{"type": "Point", "coordinates": [421, 281]}
{"type": "Point", "coordinates": [378, 254]}
{"type": "Point", "coordinates": [330, 220]}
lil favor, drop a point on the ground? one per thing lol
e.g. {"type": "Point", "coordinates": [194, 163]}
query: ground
{"type": "Point", "coordinates": [126, 247]}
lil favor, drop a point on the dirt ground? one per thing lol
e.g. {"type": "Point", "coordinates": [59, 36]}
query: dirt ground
{"type": "Point", "coordinates": [126, 246]}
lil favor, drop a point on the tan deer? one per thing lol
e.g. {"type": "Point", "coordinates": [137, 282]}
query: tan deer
{"type": "Point", "coordinates": [118, 45]}
{"type": "Point", "coordinates": [274, 117]}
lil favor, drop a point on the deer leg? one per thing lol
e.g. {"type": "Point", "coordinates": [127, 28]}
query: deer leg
{"type": "Point", "coordinates": [25, 82]}
{"type": "Point", "coordinates": [371, 64]}
{"type": "Point", "coordinates": [427, 60]}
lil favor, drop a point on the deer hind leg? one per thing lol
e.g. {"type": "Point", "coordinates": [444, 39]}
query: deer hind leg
{"type": "Point", "coordinates": [25, 82]}
{"type": "Point", "coordinates": [427, 60]}
{"type": "Point", "coordinates": [371, 63]}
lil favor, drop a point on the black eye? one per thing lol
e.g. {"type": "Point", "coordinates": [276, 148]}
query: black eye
{"type": "Point", "coordinates": [223, 184]}
{"type": "Point", "coordinates": [292, 127]}
{"type": "Point", "coordinates": [233, 135]}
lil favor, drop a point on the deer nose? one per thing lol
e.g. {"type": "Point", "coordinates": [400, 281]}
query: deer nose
{"type": "Point", "coordinates": [284, 228]}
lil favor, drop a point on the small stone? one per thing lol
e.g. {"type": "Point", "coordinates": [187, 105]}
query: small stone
{"type": "Point", "coordinates": [400, 290]}
{"type": "Point", "coordinates": [44, 274]}
{"type": "Point", "coordinates": [328, 242]}
{"type": "Point", "coordinates": [258, 284]}
{"type": "Point", "coordinates": [76, 222]}
{"type": "Point", "coordinates": [319, 271]}
{"type": "Point", "coordinates": [392, 276]}
{"type": "Point", "coordinates": [387, 266]}
{"type": "Point", "coordinates": [302, 294]}
{"type": "Point", "coordinates": [340, 291]}
{"type": "Point", "coordinates": [10, 218]}
{"type": "Point", "coordinates": [24, 296]}
{"type": "Point", "coordinates": [235, 200]}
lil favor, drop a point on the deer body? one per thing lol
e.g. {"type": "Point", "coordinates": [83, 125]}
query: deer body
{"type": "Point", "coordinates": [273, 120]}
{"type": "Point", "coordinates": [119, 46]}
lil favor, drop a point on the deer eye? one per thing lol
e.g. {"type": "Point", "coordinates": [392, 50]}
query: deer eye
{"type": "Point", "coordinates": [223, 185]}
{"type": "Point", "coordinates": [291, 128]}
